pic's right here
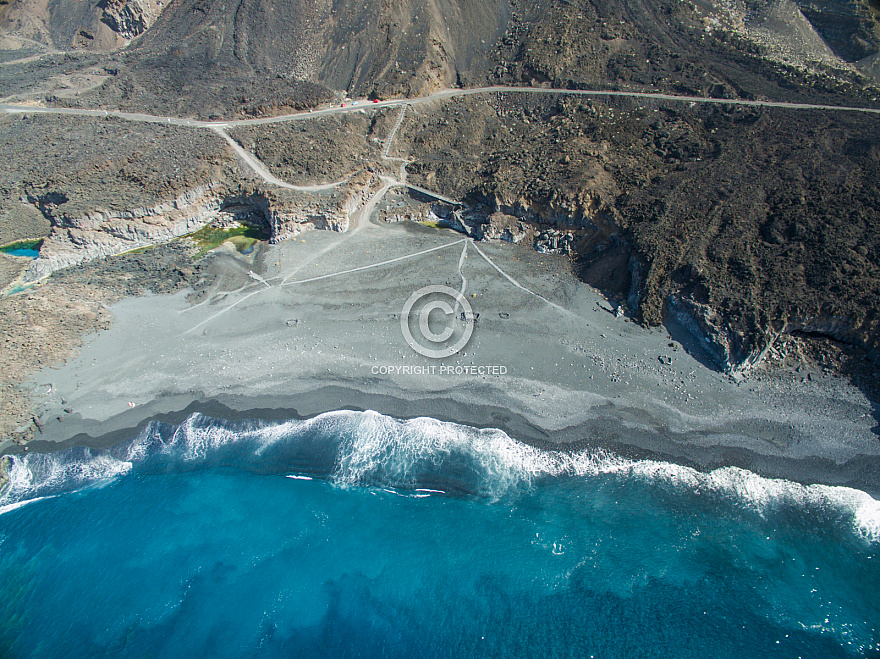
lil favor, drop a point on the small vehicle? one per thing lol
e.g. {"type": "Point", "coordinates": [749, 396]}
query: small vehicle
{"type": "Point", "coordinates": [375, 100]}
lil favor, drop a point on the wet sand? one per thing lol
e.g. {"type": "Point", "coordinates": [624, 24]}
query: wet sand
{"type": "Point", "coordinates": [566, 371]}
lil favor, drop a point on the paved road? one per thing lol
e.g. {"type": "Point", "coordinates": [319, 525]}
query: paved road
{"type": "Point", "coordinates": [448, 93]}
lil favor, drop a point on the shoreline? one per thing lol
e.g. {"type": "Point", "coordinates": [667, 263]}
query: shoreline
{"type": "Point", "coordinates": [862, 473]}
{"type": "Point", "coordinates": [316, 337]}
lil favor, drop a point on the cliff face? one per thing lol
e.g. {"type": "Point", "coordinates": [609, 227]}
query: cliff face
{"type": "Point", "coordinates": [130, 18]}
{"type": "Point", "coordinates": [850, 28]}
{"type": "Point", "coordinates": [80, 24]}
{"type": "Point", "coordinates": [77, 240]}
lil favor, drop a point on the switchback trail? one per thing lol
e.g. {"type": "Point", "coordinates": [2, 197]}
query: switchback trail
{"type": "Point", "coordinates": [258, 167]}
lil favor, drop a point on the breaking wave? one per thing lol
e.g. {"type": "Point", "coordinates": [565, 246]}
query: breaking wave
{"type": "Point", "coordinates": [423, 454]}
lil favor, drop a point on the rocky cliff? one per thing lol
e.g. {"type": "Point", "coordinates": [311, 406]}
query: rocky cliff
{"type": "Point", "coordinates": [284, 213]}
{"type": "Point", "coordinates": [102, 25]}
{"type": "Point", "coordinates": [130, 18]}
{"type": "Point", "coordinates": [75, 240]}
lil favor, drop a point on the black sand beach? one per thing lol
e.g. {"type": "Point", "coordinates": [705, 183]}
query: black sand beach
{"type": "Point", "coordinates": [573, 373]}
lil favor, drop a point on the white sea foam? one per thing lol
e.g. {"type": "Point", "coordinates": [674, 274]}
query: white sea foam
{"type": "Point", "coordinates": [14, 506]}
{"type": "Point", "coordinates": [386, 447]}
{"type": "Point", "coordinates": [370, 448]}
{"type": "Point", "coordinates": [39, 475]}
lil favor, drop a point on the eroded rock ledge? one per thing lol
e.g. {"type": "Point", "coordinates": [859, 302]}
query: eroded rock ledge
{"type": "Point", "coordinates": [284, 213]}
{"type": "Point", "coordinates": [129, 18]}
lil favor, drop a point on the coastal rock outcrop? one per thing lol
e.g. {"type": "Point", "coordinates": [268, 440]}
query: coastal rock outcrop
{"type": "Point", "coordinates": [75, 240]}
{"type": "Point", "coordinates": [864, 335]}
{"type": "Point", "coordinates": [736, 352]}
{"type": "Point", "coordinates": [293, 214]}
{"type": "Point", "coordinates": [130, 18]}
{"type": "Point", "coordinates": [556, 226]}
{"type": "Point", "coordinates": [285, 213]}
{"type": "Point", "coordinates": [732, 352]}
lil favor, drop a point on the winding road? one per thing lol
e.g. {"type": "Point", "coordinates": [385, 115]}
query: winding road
{"type": "Point", "coordinates": [219, 127]}
{"type": "Point", "coordinates": [261, 170]}
{"type": "Point", "coordinates": [448, 93]}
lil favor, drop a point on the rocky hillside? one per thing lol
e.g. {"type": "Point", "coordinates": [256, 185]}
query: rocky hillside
{"type": "Point", "coordinates": [214, 58]}
{"type": "Point", "coordinates": [740, 222]}
{"type": "Point", "coordinates": [101, 25]}
{"type": "Point", "coordinates": [746, 222]}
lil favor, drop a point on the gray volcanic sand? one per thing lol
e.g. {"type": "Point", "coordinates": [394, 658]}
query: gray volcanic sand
{"type": "Point", "coordinates": [575, 374]}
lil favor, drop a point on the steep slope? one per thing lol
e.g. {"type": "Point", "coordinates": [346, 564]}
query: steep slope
{"type": "Point", "coordinates": [260, 56]}
{"type": "Point", "coordinates": [410, 46]}
{"type": "Point", "coordinates": [223, 57]}
{"type": "Point", "coordinates": [678, 47]}
{"type": "Point", "coordinates": [850, 27]}
{"type": "Point", "coordinates": [100, 25]}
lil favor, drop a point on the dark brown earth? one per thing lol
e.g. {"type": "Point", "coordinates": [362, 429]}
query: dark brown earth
{"type": "Point", "coordinates": [319, 151]}
{"type": "Point", "coordinates": [664, 45]}
{"type": "Point", "coordinates": [218, 59]}
{"type": "Point", "coordinates": [777, 220]}
{"type": "Point", "coordinates": [767, 215]}
{"type": "Point", "coordinates": [70, 166]}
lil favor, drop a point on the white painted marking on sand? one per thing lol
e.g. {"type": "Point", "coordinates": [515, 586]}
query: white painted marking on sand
{"type": "Point", "coordinates": [520, 286]}
{"type": "Point", "coordinates": [254, 275]}
{"type": "Point", "coordinates": [222, 311]}
{"type": "Point", "coordinates": [322, 277]}
{"type": "Point", "coordinates": [461, 274]}
{"type": "Point", "coordinates": [360, 218]}
{"type": "Point", "coordinates": [376, 265]}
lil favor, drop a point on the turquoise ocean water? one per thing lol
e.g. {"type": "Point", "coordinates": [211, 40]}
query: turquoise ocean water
{"type": "Point", "coordinates": [353, 534]}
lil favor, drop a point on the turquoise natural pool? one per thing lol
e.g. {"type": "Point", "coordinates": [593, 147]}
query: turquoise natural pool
{"type": "Point", "coordinates": [26, 248]}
